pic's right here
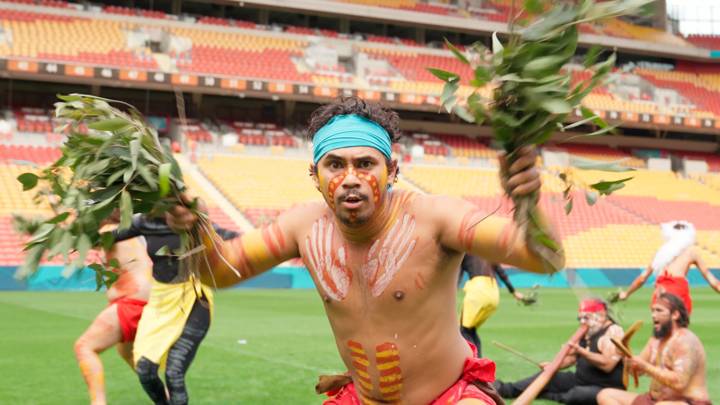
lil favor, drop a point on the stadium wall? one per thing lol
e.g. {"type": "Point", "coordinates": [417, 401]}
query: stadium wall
{"type": "Point", "coordinates": [51, 278]}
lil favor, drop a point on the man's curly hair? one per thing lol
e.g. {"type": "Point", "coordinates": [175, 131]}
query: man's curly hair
{"type": "Point", "coordinates": [385, 117]}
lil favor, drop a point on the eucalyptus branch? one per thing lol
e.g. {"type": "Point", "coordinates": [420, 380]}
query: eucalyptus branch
{"type": "Point", "coordinates": [532, 98]}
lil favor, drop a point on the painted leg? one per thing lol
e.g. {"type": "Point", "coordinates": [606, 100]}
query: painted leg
{"type": "Point", "coordinates": [102, 333]}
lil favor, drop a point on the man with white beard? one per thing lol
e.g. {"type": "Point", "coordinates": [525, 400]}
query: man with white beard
{"type": "Point", "coordinates": [672, 263]}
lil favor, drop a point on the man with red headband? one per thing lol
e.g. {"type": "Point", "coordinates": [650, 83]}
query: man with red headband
{"type": "Point", "coordinates": [385, 262]}
{"type": "Point", "coordinates": [672, 263]}
{"type": "Point", "coordinates": [674, 358]}
{"type": "Point", "coordinates": [597, 362]}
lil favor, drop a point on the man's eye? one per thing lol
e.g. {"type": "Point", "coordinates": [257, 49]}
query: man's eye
{"type": "Point", "coordinates": [335, 165]}
{"type": "Point", "coordinates": [365, 164]}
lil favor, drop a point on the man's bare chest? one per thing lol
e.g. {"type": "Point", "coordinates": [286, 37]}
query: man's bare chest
{"type": "Point", "coordinates": [399, 255]}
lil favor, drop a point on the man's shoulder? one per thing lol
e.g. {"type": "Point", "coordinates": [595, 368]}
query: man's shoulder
{"type": "Point", "coordinates": [615, 330]}
{"type": "Point", "coordinates": [688, 337]}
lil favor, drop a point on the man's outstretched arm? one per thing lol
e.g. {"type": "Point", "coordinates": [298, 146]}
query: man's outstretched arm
{"type": "Point", "coordinates": [637, 283]}
{"type": "Point", "coordinates": [465, 228]}
{"type": "Point", "coordinates": [700, 263]}
{"type": "Point", "coordinates": [232, 261]}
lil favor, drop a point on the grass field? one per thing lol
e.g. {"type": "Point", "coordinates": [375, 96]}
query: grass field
{"type": "Point", "coordinates": [288, 343]}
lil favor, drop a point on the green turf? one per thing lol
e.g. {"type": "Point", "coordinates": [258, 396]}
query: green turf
{"type": "Point", "coordinates": [288, 344]}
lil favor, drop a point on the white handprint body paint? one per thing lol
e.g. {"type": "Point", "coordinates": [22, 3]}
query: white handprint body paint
{"type": "Point", "coordinates": [328, 262]}
{"type": "Point", "coordinates": [387, 254]}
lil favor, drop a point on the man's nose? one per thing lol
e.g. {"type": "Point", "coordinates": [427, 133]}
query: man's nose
{"type": "Point", "coordinates": [351, 179]}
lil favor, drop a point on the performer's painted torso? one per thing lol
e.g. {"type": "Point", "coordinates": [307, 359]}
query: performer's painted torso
{"type": "Point", "coordinates": [391, 302]}
{"type": "Point", "coordinates": [682, 350]}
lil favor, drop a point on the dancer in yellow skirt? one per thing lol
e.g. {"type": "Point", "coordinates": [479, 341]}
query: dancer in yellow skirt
{"type": "Point", "coordinates": [176, 317]}
{"type": "Point", "coordinates": [481, 295]}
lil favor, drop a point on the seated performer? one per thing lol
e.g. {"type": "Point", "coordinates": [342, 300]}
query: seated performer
{"type": "Point", "coordinates": [674, 358]}
{"type": "Point", "coordinates": [481, 295]}
{"type": "Point", "coordinates": [117, 323]}
{"type": "Point", "coordinates": [672, 263]}
{"type": "Point", "coordinates": [176, 318]}
{"type": "Point", "coordinates": [597, 362]}
{"type": "Point", "coordinates": [385, 262]}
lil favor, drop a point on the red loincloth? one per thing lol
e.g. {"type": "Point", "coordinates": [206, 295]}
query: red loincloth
{"type": "Point", "coordinates": [473, 384]}
{"type": "Point", "coordinates": [646, 399]}
{"type": "Point", "coordinates": [129, 311]}
{"type": "Point", "coordinates": [673, 285]}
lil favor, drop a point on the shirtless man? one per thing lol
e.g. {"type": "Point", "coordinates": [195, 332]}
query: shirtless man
{"type": "Point", "coordinates": [385, 262]}
{"type": "Point", "coordinates": [674, 358]}
{"type": "Point", "coordinates": [596, 360]}
{"type": "Point", "coordinates": [117, 323]}
{"type": "Point", "coordinates": [672, 263]}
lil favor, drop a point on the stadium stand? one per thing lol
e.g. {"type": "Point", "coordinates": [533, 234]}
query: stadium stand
{"type": "Point", "coordinates": [271, 172]}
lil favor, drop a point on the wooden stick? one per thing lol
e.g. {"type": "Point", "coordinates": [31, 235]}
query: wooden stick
{"type": "Point", "coordinates": [626, 344]}
{"type": "Point", "coordinates": [623, 349]}
{"type": "Point", "coordinates": [630, 332]}
{"type": "Point", "coordinates": [534, 389]}
{"type": "Point", "coordinates": [517, 353]}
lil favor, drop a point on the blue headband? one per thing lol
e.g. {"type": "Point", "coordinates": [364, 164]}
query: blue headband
{"type": "Point", "coordinates": [346, 131]}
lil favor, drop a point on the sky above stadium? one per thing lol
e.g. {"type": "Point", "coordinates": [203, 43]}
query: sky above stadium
{"type": "Point", "coordinates": [695, 16]}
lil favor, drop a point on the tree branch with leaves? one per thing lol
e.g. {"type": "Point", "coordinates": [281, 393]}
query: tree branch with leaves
{"type": "Point", "coordinates": [531, 97]}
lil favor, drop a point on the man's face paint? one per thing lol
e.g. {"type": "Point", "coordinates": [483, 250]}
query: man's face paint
{"type": "Point", "coordinates": [594, 320]}
{"type": "Point", "coordinates": [353, 182]}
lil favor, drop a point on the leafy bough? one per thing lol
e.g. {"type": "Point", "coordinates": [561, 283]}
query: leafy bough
{"type": "Point", "coordinates": [111, 160]}
{"type": "Point", "coordinates": [532, 98]}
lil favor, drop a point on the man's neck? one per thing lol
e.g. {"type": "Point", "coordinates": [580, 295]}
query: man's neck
{"type": "Point", "coordinates": [374, 226]}
{"type": "Point", "coordinates": [673, 332]}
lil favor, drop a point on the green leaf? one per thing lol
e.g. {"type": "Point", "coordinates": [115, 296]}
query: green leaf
{"type": "Point", "coordinates": [112, 124]}
{"type": "Point", "coordinates": [544, 63]}
{"type": "Point", "coordinates": [113, 177]}
{"type": "Point", "coordinates": [28, 180]}
{"type": "Point", "coordinates": [128, 174]}
{"type": "Point", "coordinates": [458, 54]}
{"type": "Point", "coordinates": [164, 179]}
{"type": "Point", "coordinates": [607, 187]}
{"type": "Point", "coordinates": [568, 207]}
{"type": "Point", "coordinates": [580, 122]}
{"type": "Point", "coordinates": [147, 176]}
{"type": "Point", "coordinates": [126, 210]}
{"type": "Point", "coordinates": [58, 218]}
{"type": "Point", "coordinates": [69, 97]}
{"type": "Point", "coordinates": [496, 45]}
{"type": "Point", "coordinates": [106, 240]}
{"type": "Point", "coordinates": [533, 6]}
{"type": "Point", "coordinates": [590, 164]}
{"type": "Point", "coordinates": [114, 263]}
{"type": "Point", "coordinates": [482, 76]}
{"type": "Point", "coordinates": [163, 251]}
{"type": "Point", "coordinates": [83, 246]}
{"type": "Point", "coordinates": [463, 113]}
{"type": "Point", "coordinates": [591, 197]}
{"type": "Point", "coordinates": [444, 75]}
{"type": "Point", "coordinates": [556, 106]}
{"type": "Point", "coordinates": [134, 152]}
{"type": "Point", "coordinates": [592, 55]}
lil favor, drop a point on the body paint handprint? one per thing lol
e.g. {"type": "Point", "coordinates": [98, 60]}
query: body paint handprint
{"type": "Point", "coordinates": [328, 262]}
{"type": "Point", "coordinates": [387, 254]}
